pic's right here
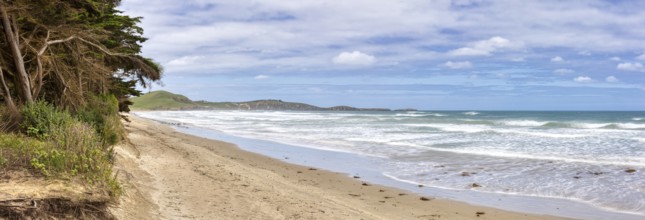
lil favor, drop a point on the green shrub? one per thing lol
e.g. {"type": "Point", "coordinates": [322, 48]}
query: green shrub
{"type": "Point", "coordinates": [102, 112]}
{"type": "Point", "coordinates": [17, 150]}
{"type": "Point", "coordinates": [41, 119]}
{"type": "Point", "coordinates": [59, 145]}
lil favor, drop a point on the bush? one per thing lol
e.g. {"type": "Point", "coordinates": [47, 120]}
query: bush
{"type": "Point", "coordinates": [41, 119]}
{"type": "Point", "coordinates": [102, 112]}
{"type": "Point", "coordinates": [59, 145]}
{"type": "Point", "coordinates": [16, 150]}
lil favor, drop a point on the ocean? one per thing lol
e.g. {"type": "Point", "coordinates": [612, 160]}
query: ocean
{"type": "Point", "coordinates": [596, 158]}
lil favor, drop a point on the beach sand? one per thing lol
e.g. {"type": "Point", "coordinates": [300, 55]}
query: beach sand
{"type": "Point", "coordinates": [171, 175]}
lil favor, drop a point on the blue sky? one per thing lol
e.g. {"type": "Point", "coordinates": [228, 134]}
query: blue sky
{"type": "Point", "coordinates": [425, 54]}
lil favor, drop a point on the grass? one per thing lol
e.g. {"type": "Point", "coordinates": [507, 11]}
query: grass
{"type": "Point", "coordinates": [161, 100]}
{"type": "Point", "coordinates": [56, 144]}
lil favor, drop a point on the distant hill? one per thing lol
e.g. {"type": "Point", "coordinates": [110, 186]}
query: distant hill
{"type": "Point", "coordinates": [163, 100]}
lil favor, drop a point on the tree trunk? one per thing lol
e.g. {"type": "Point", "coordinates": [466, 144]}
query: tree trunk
{"type": "Point", "coordinates": [6, 94]}
{"type": "Point", "coordinates": [38, 84]}
{"type": "Point", "coordinates": [22, 79]}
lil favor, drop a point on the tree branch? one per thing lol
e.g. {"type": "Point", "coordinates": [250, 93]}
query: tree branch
{"type": "Point", "coordinates": [104, 50]}
{"type": "Point", "coordinates": [47, 43]}
{"type": "Point", "coordinates": [73, 37]}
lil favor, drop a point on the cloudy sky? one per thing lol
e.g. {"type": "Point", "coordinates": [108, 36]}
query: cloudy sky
{"type": "Point", "coordinates": [426, 54]}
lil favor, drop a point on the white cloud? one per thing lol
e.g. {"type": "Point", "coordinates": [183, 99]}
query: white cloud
{"type": "Point", "coordinates": [563, 71]}
{"type": "Point", "coordinates": [261, 77]}
{"type": "Point", "coordinates": [458, 65]}
{"type": "Point", "coordinates": [185, 60]}
{"type": "Point", "coordinates": [486, 47]}
{"type": "Point", "coordinates": [584, 53]}
{"type": "Point", "coordinates": [611, 79]}
{"type": "Point", "coordinates": [465, 3]}
{"type": "Point", "coordinates": [557, 59]}
{"type": "Point", "coordinates": [518, 59]}
{"type": "Point", "coordinates": [582, 79]}
{"type": "Point", "coordinates": [269, 33]}
{"type": "Point", "coordinates": [614, 58]}
{"type": "Point", "coordinates": [631, 67]}
{"type": "Point", "coordinates": [467, 51]}
{"type": "Point", "coordinates": [641, 57]}
{"type": "Point", "coordinates": [354, 58]}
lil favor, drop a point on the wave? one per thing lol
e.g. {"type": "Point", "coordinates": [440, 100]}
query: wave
{"type": "Point", "coordinates": [541, 134]}
{"type": "Point", "coordinates": [524, 123]}
{"type": "Point", "coordinates": [529, 127]}
{"type": "Point", "coordinates": [410, 114]}
{"type": "Point", "coordinates": [482, 128]}
{"type": "Point", "coordinates": [476, 122]}
{"type": "Point", "coordinates": [551, 124]}
{"type": "Point", "coordinates": [419, 114]}
{"type": "Point", "coordinates": [453, 127]}
{"type": "Point", "coordinates": [489, 129]}
{"type": "Point", "coordinates": [631, 126]}
{"type": "Point", "coordinates": [581, 125]}
{"type": "Point", "coordinates": [638, 119]}
{"type": "Point", "coordinates": [527, 155]}
{"type": "Point", "coordinates": [471, 113]}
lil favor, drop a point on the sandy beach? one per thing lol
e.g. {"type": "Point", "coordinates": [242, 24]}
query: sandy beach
{"type": "Point", "coordinates": [171, 175]}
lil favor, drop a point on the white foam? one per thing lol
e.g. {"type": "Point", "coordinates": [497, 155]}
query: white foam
{"type": "Point", "coordinates": [410, 181]}
{"type": "Point", "coordinates": [589, 125]}
{"type": "Point", "coordinates": [460, 128]}
{"type": "Point", "coordinates": [524, 123]}
{"type": "Point", "coordinates": [410, 114]}
{"type": "Point", "coordinates": [541, 134]}
{"type": "Point", "coordinates": [506, 154]}
{"type": "Point", "coordinates": [631, 126]}
{"type": "Point", "coordinates": [471, 113]}
{"type": "Point", "coordinates": [642, 140]}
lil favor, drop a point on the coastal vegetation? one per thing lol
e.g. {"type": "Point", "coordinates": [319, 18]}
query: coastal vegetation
{"type": "Point", "coordinates": [67, 68]}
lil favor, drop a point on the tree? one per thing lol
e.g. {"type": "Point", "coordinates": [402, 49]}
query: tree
{"type": "Point", "coordinates": [64, 51]}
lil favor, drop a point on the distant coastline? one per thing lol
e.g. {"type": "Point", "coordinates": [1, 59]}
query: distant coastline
{"type": "Point", "coordinates": [164, 100]}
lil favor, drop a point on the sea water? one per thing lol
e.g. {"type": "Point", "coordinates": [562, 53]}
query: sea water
{"type": "Point", "coordinates": [592, 157]}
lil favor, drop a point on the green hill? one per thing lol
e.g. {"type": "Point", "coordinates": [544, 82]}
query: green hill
{"type": "Point", "coordinates": [163, 100]}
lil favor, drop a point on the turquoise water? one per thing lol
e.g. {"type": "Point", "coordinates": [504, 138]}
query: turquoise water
{"type": "Point", "coordinates": [581, 156]}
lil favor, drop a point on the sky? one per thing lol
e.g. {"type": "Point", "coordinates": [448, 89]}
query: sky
{"type": "Point", "coordinates": [424, 54]}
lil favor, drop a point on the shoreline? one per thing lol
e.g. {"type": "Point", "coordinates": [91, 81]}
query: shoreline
{"type": "Point", "coordinates": [367, 167]}
{"type": "Point", "coordinates": [169, 175]}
